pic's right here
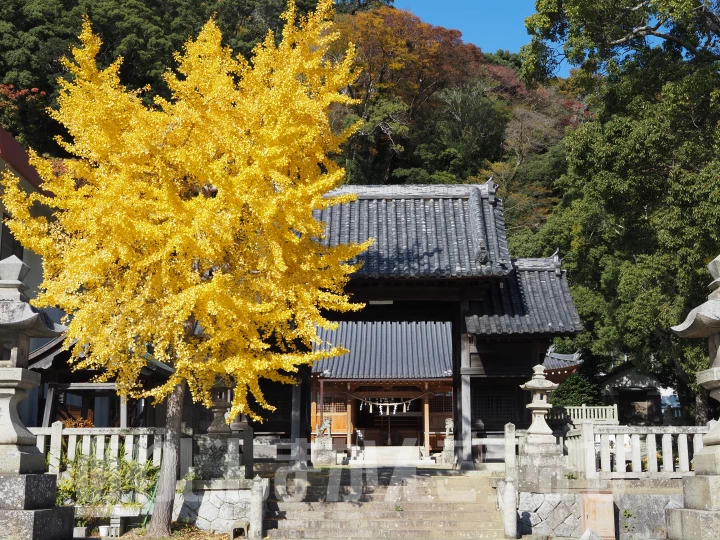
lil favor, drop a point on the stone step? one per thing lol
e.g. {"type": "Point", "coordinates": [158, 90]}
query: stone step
{"type": "Point", "coordinates": [480, 514]}
{"type": "Point", "coordinates": [389, 496]}
{"type": "Point", "coordinates": [352, 532]}
{"type": "Point", "coordinates": [403, 522]}
{"type": "Point", "coordinates": [347, 481]}
{"type": "Point", "coordinates": [426, 506]}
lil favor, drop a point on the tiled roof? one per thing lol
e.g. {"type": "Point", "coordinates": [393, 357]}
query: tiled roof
{"type": "Point", "coordinates": [533, 299]}
{"type": "Point", "coordinates": [444, 231]}
{"type": "Point", "coordinates": [555, 360]}
{"type": "Point", "coordinates": [389, 350]}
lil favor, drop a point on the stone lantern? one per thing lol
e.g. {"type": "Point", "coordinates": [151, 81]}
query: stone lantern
{"type": "Point", "coordinates": [27, 508]}
{"type": "Point", "coordinates": [700, 519]}
{"type": "Point", "coordinates": [540, 438]}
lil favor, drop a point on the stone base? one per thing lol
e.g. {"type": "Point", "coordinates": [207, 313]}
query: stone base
{"type": "Point", "coordinates": [27, 491]}
{"type": "Point", "coordinates": [212, 510]}
{"type": "Point", "coordinates": [448, 453]}
{"type": "Point", "coordinates": [19, 459]}
{"type": "Point", "coordinates": [702, 492]}
{"type": "Point", "coordinates": [541, 471]}
{"type": "Point", "coordinates": [323, 452]}
{"type": "Point", "coordinates": [49, 524]}
{"type": "Point", "coordinates": [219, 504]}
{"type": "Point", "coordinates": [218, 456]}
{"type": "Point", "coordinates": [707, 461]}
{"type": "Point", "coordinates": [685, 524]}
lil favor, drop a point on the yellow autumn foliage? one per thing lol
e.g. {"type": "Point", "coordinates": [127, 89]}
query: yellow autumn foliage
{"type": "Point", "coordinates": [184, 231]}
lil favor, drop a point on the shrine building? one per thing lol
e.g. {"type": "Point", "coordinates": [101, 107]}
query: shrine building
{"type": "Point", "coordinates": [452, 324]}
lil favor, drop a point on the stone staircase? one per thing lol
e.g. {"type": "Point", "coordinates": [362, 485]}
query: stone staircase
{"type": "Point", "coordinates": [384, 503]}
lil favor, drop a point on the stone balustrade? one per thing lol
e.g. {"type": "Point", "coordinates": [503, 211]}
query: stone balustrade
{"type": "Point", "coordinates": [62, 444]}
{"type": "Point", "coordinates": [585, 413]}
{"type": "Point", "coordinates": [613, 452]}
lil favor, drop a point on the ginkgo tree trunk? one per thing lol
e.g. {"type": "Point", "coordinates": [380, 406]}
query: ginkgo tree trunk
{"type": "Point", "coordinates": [184, 230]}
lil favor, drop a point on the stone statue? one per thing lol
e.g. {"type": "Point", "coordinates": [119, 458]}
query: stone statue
{"type": "Point", "coordinates": [324, 427]}
{"type": "Point", "coordinates": [449, 427]}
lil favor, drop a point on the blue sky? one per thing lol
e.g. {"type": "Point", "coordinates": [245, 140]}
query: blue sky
{"type": "Point", "coordinates": [489, 24]}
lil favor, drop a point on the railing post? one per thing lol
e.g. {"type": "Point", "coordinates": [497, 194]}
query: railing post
{"type": "Point", "coordinates": [605, 465]}
{"type": "Point", "coordinates": [636, 453]}
{"type": "Point", "coordinates": [651, 447]}
{"type": "Point", "coordinates": [588, 450]}
{"type": "Point", "coordinates": [667, 455]}
{"type": "Point", "coordinates": [55, 447]}
{"type": "Point", "coordinates": [615, 413]}
{"type": "Point", "coordinates": [684, 460]}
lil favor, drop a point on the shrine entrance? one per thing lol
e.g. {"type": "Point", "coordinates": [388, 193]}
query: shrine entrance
{"type": "Point", "coordinates": [384, 413]}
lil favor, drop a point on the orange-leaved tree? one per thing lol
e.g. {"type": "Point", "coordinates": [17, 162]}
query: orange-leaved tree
{"type": "Point", "coordinates": [184, 230]}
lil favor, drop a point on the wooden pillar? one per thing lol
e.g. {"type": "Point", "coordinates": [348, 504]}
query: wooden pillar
{"type": "Point", "coordinates": [426, 424]}
{"type": "Point", "coordinates": [322, 402]}
{"type": "Point", "coordinates": [349, 422]}
{"type": "Point", "coordinates": [313, 415]}
{"type": "Point", "coordinates": [465, 401]}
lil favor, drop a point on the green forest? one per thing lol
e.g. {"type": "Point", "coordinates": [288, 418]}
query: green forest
{"type": "Point", "coordinates": [616, 166]}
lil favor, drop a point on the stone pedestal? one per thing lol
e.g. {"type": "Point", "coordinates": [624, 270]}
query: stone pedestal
{"type": "Point", "coordinates": [323, 452]}
{"type": "Point", "coordinates": [700, 519]}
{"type": "Point", "coordinates": [448, 452]}
{"type": "Point", "coordinates": [218, 456]}
{"type": "Point", "coordinates": [215, 505]}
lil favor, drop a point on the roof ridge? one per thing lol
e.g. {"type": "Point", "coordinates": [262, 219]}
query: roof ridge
{"type": "Point", "coordinates": [414, 191]}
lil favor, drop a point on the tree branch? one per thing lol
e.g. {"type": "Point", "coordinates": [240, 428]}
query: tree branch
{"type": "Point", "coordinates": [643, 31]}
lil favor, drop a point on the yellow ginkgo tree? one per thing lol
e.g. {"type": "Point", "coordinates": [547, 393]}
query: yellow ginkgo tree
{"type": "Point", "coordinates": [184, 230]}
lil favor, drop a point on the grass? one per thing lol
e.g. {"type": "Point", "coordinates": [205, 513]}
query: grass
{"type": "Point", "coordinates": [180, 531]}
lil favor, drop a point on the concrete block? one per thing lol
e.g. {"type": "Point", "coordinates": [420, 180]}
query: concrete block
{"type": "Point", "coordinates": [48, 524]}
{"type": "Point", "coordinates": [27, 491]}
{"type": "Point", "coordinates": [695, 524]}
{"type": "Point", "coordinates": [590, 535]}
{"type": "Point", "coordinates": [702, 492]}
{"type": "Point", "coordinates": [673, 519]}
{"type": "Point", "coordinates": [707, 461]}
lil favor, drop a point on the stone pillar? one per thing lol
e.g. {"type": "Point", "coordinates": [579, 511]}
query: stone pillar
{"type": "Point", "coordinates": [700, 519]}
{"type": "Point", "coordinates": [27, 505]}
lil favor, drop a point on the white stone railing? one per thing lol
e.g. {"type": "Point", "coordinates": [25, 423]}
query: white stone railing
{"type": "Point", "coordinates": [584, 413]}
{"type": "Point", "coordinates": [605, 451]}
{"type": "Point", "coordinates": [62, 445]}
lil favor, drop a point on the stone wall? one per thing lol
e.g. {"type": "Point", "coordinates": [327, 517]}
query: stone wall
{"type": "Point", "coordinates": [216, 504]}
{"type": "Point", "coordinates": [549, 514]}
{"type": "Point", "coordinates": [640, 507]}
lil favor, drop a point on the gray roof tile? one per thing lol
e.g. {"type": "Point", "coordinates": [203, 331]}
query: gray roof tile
{"type": "Point", "coordinates": [533, 299]}
{"type": "Point", "coordinates": [389, 350]}
{"type": "Point", "coordinates": [422, 231]}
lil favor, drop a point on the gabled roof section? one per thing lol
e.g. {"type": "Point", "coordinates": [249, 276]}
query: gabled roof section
{"type": "Point", "coordinates": [423, 231]}
{"type": "Point", "coordinates": [533, 299]}
{"type": "Point", "coordinates": [555, 360]}
{"type": "Point", "coordinates": [388, 350]}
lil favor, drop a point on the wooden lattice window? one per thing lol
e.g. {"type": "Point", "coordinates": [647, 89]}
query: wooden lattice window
{"type": "Point", "coordinates": [334, 403]}
{"type": "Point", "coordinates": [494, 405]}
{"type": "Point", "coordinates": [441, 403]}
